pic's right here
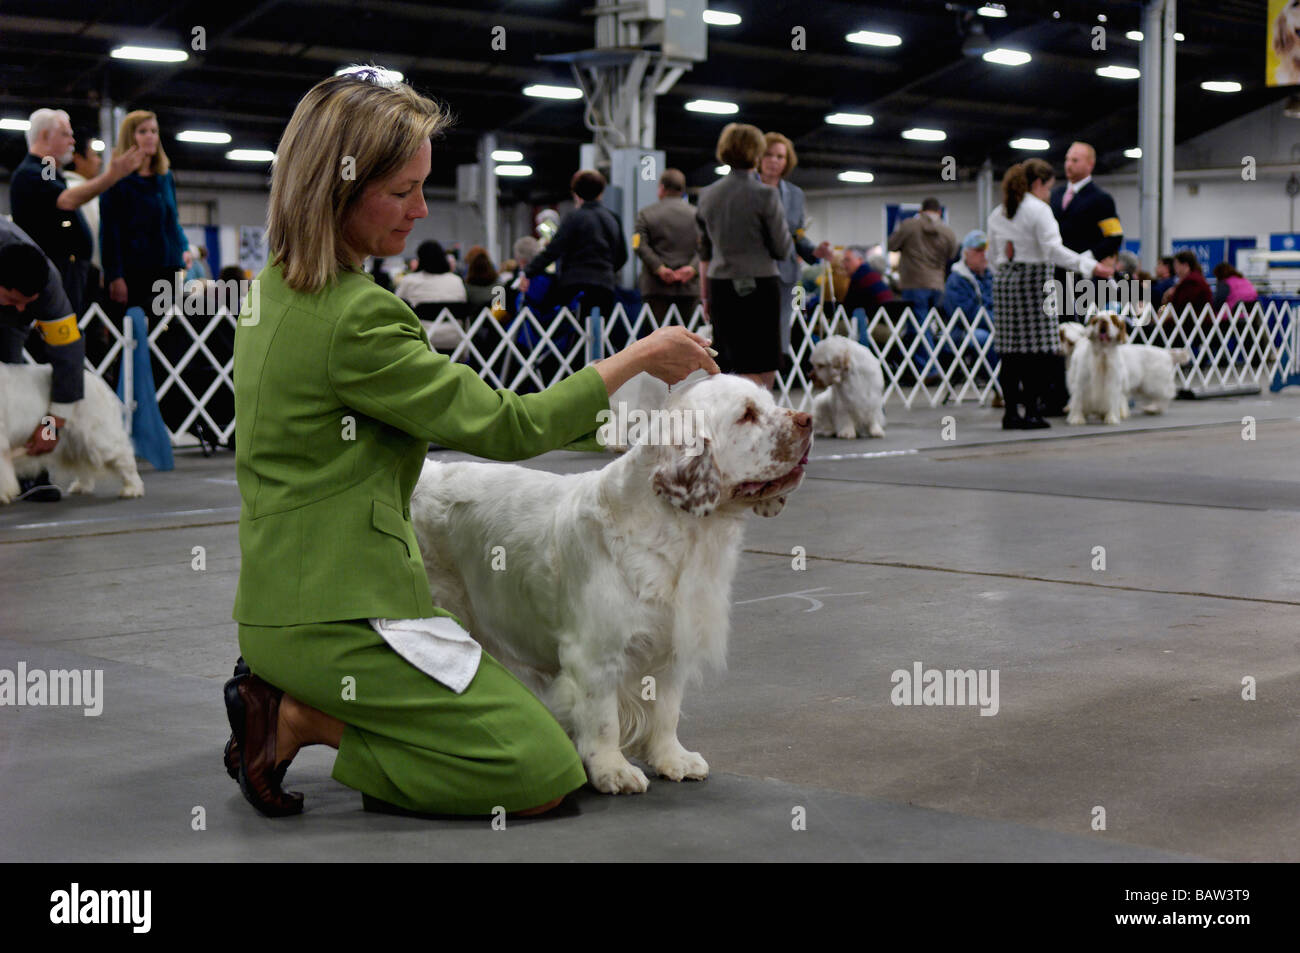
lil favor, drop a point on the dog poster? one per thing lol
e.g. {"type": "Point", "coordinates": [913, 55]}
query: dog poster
{"type": "Point", "coordinates": [1283, 54]}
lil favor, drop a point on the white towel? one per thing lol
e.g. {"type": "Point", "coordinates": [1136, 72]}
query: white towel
{"type": "Point", "coordinates": [436, 646]}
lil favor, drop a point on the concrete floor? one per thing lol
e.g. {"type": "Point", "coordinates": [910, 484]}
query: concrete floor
{"type": "Point", "coordinates": [1119, 688]}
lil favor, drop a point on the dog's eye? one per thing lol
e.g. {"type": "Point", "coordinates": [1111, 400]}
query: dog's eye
{"type": "Point", "coordinates": [750, 416]}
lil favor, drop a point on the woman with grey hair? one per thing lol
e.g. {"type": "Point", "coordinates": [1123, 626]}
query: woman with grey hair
{"type": "Point", "coordinates": [337, 397]}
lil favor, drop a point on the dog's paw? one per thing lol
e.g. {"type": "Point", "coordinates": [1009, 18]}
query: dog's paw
{"type": "Point", "coordinates": [616, 775]}
{"type": "Point", "coordinates": [1153, 409]}
{"type": "Point", "coordinates": [132, 489]}
{"type": "Point", "coordinates": [1075, 420]}
{"type": "Point", "coordinates": [1112, 418]}
{"type": "Point", "coordinates": [847, 433]}
{"type": "Point", "coordinates": [681, 765]}
{"type": "Point", "coordinates": [876, 430]}
{"type": "Point", "coordinates": [82, 486]}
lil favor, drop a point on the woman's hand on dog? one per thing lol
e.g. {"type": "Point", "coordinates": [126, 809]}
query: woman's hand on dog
{"type": "Point", "coordinates": [670, 354]}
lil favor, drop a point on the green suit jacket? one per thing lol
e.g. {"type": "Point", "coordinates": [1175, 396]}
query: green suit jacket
{"type": "Point", "coordinates": [337, 396]}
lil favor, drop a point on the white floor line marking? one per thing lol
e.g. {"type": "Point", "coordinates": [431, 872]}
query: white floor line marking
{"type": "Point", "coordinates": [863, 456]}
{"type": "Point", "coordinates": [112, 519]}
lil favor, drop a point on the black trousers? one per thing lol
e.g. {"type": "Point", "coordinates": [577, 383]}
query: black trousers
{"type": "Point", "coordinates": [1026, 379]}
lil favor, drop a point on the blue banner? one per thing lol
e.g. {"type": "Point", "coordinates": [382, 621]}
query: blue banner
{"type": "Point", "coordinates": [1208, 251]}
{"type": "Point", "coordinates": [1284, 241]}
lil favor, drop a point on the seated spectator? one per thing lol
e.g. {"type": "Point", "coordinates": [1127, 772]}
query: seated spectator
{"type": "Point", "coordinates": [380, 274]}
{"type": "Point", "coordinates": [970, 283]}
{"type": "Point", "coordinates": [1192, 288]}
{"type": "Point", "coordinates": [1165, 278]}
{"type": "Point", "coordinates": [1232, 289]}
{"type": "Point", "coordinates": [480, 277]}
{"type": "Point", "coordinates": [434, 281]}
{"type": "Point", "coordinates": [867, 288]}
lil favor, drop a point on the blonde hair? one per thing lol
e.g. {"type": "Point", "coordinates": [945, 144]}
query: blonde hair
{"type": "Point", "coordinates": [740, 145]}
{"type": "Point", "coordinates": [347, 132]}
{"type": "Point", "coordinates": [791, 159]}
{"type": "Point", "coordinates": [126, 139]}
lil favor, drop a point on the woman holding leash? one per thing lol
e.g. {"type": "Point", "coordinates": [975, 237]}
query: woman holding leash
{"type": "Point", "coordinates": [337, 396]}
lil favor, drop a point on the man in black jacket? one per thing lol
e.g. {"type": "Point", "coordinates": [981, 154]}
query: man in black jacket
{"type": "Point", "coordinates": [1089, 222]}
{"type": "Point", "coordinates": [588, 246]}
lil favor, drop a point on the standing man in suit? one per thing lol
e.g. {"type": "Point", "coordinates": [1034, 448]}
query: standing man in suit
{"type": "Point", "coordinates": [667, 242]}
{"type": "Point", "coordinates": [1089, 222]}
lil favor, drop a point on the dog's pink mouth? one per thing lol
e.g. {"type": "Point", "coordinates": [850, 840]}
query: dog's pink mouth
{"type": "Point", "coordinates": [758, 489]}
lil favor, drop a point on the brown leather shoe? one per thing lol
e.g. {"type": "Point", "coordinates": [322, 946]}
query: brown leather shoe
{"type": "Point", "coordinates": [253, 708]}
{"type": "Point", "coordinates": [231, 755]}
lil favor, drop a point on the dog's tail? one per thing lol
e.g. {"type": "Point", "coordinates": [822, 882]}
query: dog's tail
{"type": "Point", "coordinates": [1179, 355]}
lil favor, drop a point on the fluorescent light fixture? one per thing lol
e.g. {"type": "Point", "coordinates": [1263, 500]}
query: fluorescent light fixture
{"type": "Point", "coordinates": [712, 106]}
{"type": "Point", "coordinates": [542, 91]}
{"type": "Point", "coordinates": [1101, 18]}
{"type": "Point", "coordinates": [723, 170]}
{"type": "Point", "coordinates": [1005, 57]}
{"type": "Point", "coordinates": [149, 54]}
{"type": "Point", "coordinates": [198, 135]}
{"type": "Point", "coordinates": [849, 119]}
{"type": "Point", "coordinates": [506, 155]}
{"type": "Point", "coordinates": [1178, 37]}
{"type": "Point", "coordinates": [98, 145]}
{"type": "Point", "coordinates": [1133, 153]}
{"type": "Point", "coordinates": [1136, 36]}
{"type": "Point", "coordinates": [925, 135]}
{"type": "Point", "coordinates": [719, 18]}
{"type": "Point", "coordinates": [1118, 72]}
{"type": "Point", "coordinates": [871, 38]}
{"type": "Point", "coordinates": [1032, 145]}
{"type": "Point", "coordinates": [250, 155]}
{"type": "Point", "coordinates": [389, 77]}
{"type": "Point", "coordinates": [1221, 86]}
{"type": "Point", "coordinates": [852, 176]}
{"type": "Point", "coordinates": [17, 125]}
{"type": "Point", "coordinates": [514, 170]}
{"type": "Point", "coordinates": [995, 10]}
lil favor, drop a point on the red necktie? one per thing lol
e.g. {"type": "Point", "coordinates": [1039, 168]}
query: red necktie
{"type": "Point", "coordinates": [1065, 199]}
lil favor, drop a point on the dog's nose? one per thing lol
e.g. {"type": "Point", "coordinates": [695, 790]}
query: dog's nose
{"type": "Point", "coordinates": [803, 420]}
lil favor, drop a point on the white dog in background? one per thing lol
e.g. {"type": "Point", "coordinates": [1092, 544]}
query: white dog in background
{"type": "Point", "coordinates": [1097, 376]}
{"type": "Point", "coordinates": [854, 400]}
{"type": "Point", "coordinates": [615, 590]}
{"type": "Point", "coordinates": [93, 445]}
{"type": "Point", "coordinates": [1286, 44]}
{"type": "Point", "coordinates": [1147, 375]}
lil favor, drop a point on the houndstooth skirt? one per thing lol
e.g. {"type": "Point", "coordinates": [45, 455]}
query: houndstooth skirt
{"type": "Point", "coordinates": [1023, 322]}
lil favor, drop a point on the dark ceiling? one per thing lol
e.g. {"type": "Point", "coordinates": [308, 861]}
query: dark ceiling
{"type": "Point", "coordinates": [261, 57]}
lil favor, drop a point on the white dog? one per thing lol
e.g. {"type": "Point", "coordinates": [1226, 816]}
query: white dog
{"type": "Point", "coordinates": [1148, 370]}
{"type": "Point", "coordinates": [854, 400]}
{"type": "Point", "coordinates": [615, 589]}
{"type": "Point", "coordinates": [1286, 44]}
{"type": "Point", "coordinates": [1097, 376]}
{"type": "Point", "coordinates": [93, 444]}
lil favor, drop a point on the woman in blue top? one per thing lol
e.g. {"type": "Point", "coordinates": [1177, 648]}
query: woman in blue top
{"type": "Point", "coordinates": [139, 229]}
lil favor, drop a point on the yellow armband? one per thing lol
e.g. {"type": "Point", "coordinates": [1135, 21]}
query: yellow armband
{"type": "Point", "coordinates": [1110, 226]}
{"type": "Point", "coordinates": [62, 331]}
{"type": "Point", "coordinates": [636, 240]}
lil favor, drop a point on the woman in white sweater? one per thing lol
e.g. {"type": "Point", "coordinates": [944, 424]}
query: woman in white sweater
{"type": "Point", "coordinates": [434, 282]}
{"type": "Point", "coordinates": [1025, 240]}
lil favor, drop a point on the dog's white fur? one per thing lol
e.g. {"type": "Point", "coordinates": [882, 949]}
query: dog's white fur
{"type": "Point", "coordinates": [854, 400]}
{"type": "Point", "coordinates": [1105, 372]}
{"type": "Point", "coordinates": [615, 576]}
{"type": "Point", "coordinates": [1286, 44]}
{"type": "Point", "coordinates": [93, 444]}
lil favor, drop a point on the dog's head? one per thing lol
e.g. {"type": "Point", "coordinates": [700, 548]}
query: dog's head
{"type": "Point", "coordinates": [830, 361]}
{"type": "Point", "coordinates": [1286, 29]}
{"type": "Point", "coordinates": [745, 452]}
{"type": "Point", "coordinates": [1106, 329]}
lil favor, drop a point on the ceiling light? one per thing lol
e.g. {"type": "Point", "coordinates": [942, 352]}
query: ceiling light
{"type": "Point", "coordinates": [506, 155]}
{"type": "Point", "coordinates": [198, 135]}
{"type": "Point", "coordinates": [149, 54]}
{"type": "Point", "coordinates": [995, 10]}
{"type": "Point", "coordinates": [856, 177]}
{"type": "Point", "coordinates": [712, 106]}
{"type": "Point", "coordinates": [542, 91]}
{"type": "Point", "coordinates": [1033, 145]}
{"type": "Point", "coordinates": [722, 170]}
{"type": "Point", "coordinates": [250, 155]}
{"type": "Point", "coordinates": [389, 77]}
{"type": "Point", "coordinates": [870, 38]}
{"type": "Point", "coordinates": [1221, 86]}
{"type": "Point", "coordinates": [1118, 72]}
{"type": "Point", "coordinates": [1133, 153]}
{"type": "Point", "coordinates": [1136, 36]}
{"type": "Point", "coordinates": [849, 119]}
{"type": "Point", "coordinates": [97, 145]}
{"type": "Point", "coordinates": [515, 170]}
{"type": "Point", "coordinates": [719, 18]}
{"type": "Point", "coordinates": [1005, 57]}
{"type": "Point", "coordinates": [17, 125]}
{"type": "Point", "coordinates": [925, 135]}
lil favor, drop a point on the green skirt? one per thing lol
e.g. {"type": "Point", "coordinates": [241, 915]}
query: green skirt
{"type": "Point", "coordinates": [410, 740]}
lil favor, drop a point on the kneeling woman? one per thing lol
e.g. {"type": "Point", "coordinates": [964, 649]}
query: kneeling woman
{"type": "Point", "coordinates": [337, 396]}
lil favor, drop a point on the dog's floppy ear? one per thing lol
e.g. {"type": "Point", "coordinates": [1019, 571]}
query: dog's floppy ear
{"type": "Point", "coordinates": [841, 360]}
{"type": "Point", "coordinates": [1283, 39]}
{"type": "Point", "coordinates": [689, 481]}
{"type": "Point", "coordinates": [770, 507]}
{"type": "Point", "coordinates": [1121, 329]}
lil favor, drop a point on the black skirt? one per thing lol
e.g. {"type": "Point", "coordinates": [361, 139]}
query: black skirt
{"type": "Point", "coordinates": [746, 328]}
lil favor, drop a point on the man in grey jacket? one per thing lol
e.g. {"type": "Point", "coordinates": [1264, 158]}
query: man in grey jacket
{"type": "Point", "coordinates": [666, 240]}
{"type": "Point", "coordinates": [926, 245]}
